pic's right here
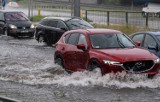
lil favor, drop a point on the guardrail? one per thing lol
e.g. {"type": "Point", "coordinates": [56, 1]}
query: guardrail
{"type": "Point", "coordinates": [6, 99]}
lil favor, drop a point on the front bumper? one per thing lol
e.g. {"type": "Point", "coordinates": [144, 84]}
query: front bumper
{"type": "Point", "coordinates": [115, 69]}
{"type": "Point", "coordinates": [21, 32]}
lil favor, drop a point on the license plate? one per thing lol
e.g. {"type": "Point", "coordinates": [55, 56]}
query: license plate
{"type": "Point", "coordinates": [24, 31]}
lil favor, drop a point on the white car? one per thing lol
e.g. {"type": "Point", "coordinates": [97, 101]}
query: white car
{"type": "Point", "coordinates": [153, 9]}
{"type": "Point", "coordinates": [13, 4]}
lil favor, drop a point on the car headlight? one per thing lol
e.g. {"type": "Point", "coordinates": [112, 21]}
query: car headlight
{"type": "Point", "coordinates": [157, 61]}
{"type": "Point", "coordinates": [112, 62]}
{"type": "Point", "coordinates": [32, 26]}
{"type": "Point", "coordinates": [12, 26]}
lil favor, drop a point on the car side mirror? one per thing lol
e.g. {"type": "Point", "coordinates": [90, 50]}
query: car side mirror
{"type": "Point", "coordinates": [138, 43]}
{"type": "Point", "coordinates": [151, 47]}
{"type": "Point", "coordinates": [81, 47]}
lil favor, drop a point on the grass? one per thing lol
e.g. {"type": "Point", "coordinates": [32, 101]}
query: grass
{"type": "Point", "coordinates": [37, 18]}
{"type": "Point", "coordinates": [125, 29]}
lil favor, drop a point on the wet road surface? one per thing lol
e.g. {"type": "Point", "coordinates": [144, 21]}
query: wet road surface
{"type": "Point", "coordinates": [28, 73]}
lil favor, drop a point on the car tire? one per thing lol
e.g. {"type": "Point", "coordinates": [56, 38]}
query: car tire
{"type": "Point", "coordinates": [58, 60]}
{"type": "Point", "coordinates": [41, 39]}
{"type": "Point", "coordinates": [6, 32]}
{"type": "Point", "coordinates": [151, 76]}
{"type": "Point", "coordinates": [94, 66]}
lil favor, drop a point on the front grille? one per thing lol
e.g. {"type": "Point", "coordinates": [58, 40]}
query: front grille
{"type": "Point", "coordinates": [138, 66]}
{"type": "Point", "coordinates": [23, 27]}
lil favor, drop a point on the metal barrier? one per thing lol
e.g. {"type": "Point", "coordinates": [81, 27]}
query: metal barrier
{"type": "Point", "coordinates": [123, 18]}
{"type": "Point", "coordinates": [6, 99]}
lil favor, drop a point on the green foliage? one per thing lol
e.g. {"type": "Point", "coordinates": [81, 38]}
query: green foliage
{"type": "Point", "coordinates": [37, 18]}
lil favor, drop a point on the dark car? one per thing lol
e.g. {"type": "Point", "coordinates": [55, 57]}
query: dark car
{"type": "Point", "coordinates": [50, 29]}
{"type": "Point", "coordinates": [149, 40]}
{"type": "Point", "coordinates": [14, 23]}
{"type": "Point", "coordinates": [107, 49]}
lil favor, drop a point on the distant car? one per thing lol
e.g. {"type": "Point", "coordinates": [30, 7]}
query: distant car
{"type": "Point", "coordinates": [149, 40]}
{"type": "Point", "coordinates": [50, 29]}
{"type": "Point", "coordinates": [12, 4]}
{"type": "Point", "coordinates": [107, 49]}
{"type": "Point", "coordinates": [15, 23]}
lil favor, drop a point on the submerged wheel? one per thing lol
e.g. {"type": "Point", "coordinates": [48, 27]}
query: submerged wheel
{"type": "Point", "coordinates": [41, 39]}
{"type": "Point", "coordinates": [151, 76]}
{"type": "Point", "coordinates": [94, 66]}
{"type": "Point", "coordinates": [6, 32]}
{"type": "Point", "coordinates": [58, 60]}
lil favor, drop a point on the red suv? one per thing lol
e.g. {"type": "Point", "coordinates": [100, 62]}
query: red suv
{"type": "Point", "coordinates": [107, 49]}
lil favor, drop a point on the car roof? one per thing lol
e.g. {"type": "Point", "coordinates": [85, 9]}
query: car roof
{"type": "Point", "coordinates": [98, 31]}
{"type": "Point", "coordinates": [150, 32]}
{"type": "Point", "coordinates": [61, 18]}
{"type": "Point", "coordinates": [9, 11]}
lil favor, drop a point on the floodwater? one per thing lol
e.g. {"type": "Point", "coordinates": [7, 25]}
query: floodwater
{"type": "Point", "coordinates": [25, 61]}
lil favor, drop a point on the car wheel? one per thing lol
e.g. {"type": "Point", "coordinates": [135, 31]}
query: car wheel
{"type": "Point", "coordinates": [151, 76]}
{"type": "Point", "coordinates": [94, 66]}
{"type": "Point", "coordinates": [6, 32]}
{"type": "Point", "coordinates": [41, 39]}
{"type": "Point", "coordinates": [58, 60]}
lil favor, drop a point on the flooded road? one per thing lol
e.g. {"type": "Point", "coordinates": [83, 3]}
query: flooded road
{"type": "Point", "coordinates": [28, 73]}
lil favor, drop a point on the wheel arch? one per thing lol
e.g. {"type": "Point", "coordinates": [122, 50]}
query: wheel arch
{"type": "Point", "coordinates": [39, 34]}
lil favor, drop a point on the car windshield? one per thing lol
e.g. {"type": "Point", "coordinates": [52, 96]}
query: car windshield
{"type": "Point", "coordinates": [158, 37]}
{"type": "Point", "coordinates": [108, 41]}
{"type": "Point", "coordinates": [15, 16]}
{"type": "Point", "coordinates": [78, 24]}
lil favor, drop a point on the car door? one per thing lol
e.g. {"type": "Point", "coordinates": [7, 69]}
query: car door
{"type": "Point", "coordinates": [61, 28]}
{"type": "Point", "coordinates": [150, 44]}
{"type": "Point", "coordinates": [138, 38]}
{"type": "Point", "coordinates": [82, 56]}
{"type": "Point", "coordinates": [51, 31]}
{"type": "Point", "coordinates": [70, 51]}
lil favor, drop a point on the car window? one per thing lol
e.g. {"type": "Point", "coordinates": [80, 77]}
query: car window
{"type": "Point", "coordinates": [15, 16]}
{"type": "Point", "coordinates": [66, 38]}
{"type": "Point", "coordinates": [82, 40]}
{"type": "Point", "coordinates": [78, 24]}
{"type": "Point", "coordinates": [138, 37]}
{"type": "Point", "coordinates": [149, 41]}
{"type": "Point", "coordinates": [61, 25]}
{"type": "Point", "coordinates": [1, 16]}
{"type": "Point", "coordinates": [44, 22]}
{"type": "Point", "coordinates": [108, 41]}
{"type": "Point", "coordinates": [73, 39]}
{"type": "Point", "coordinates": [52, 23]}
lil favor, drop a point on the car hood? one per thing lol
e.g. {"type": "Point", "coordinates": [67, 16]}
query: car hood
{"type": "Point", "coordinates": [20, 23]}
{"type": "Point", "coordinates": [127, 54]}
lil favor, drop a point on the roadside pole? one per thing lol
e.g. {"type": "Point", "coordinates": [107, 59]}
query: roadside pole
{"type": "Point", "coordinates": [29, 8]}
{"type": "Point", "coordinates": [77, 8]}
